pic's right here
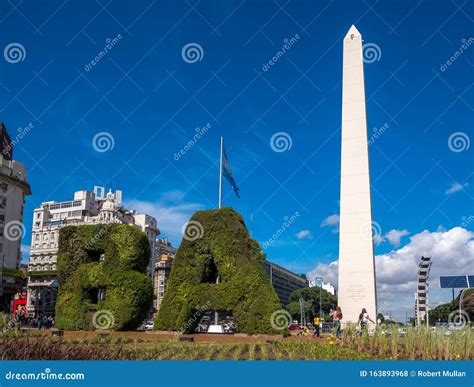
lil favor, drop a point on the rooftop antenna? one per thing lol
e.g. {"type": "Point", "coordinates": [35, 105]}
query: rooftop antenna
{"type": "Point", "coordinates": [111, 178]}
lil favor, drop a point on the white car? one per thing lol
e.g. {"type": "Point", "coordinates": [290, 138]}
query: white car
{"type": "Point", "coordinates": [149, 325]}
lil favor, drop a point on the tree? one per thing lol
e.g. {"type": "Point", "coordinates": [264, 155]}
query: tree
{"type": "Point", "coordinates": [380, 318]}
{"type": "Point", "coordinates": [442, 312]}
{"type": "Point", "coordinates": [295, 310]}
{"type": "Point", "coordinates": [311, 297]}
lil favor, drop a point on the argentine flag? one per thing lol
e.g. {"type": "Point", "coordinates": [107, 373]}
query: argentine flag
{"type": "Point", "coordinates": [228, 173]}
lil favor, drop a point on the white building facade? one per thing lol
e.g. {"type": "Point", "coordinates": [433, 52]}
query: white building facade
{"type": "Point", "coordinates": [86, 208]}
{"type": "Point", "coordinates": [329, 287]}
{"type": "Point", "coordinates": [165, 253]}
{"type": "Point", "coordinates": [13, 189]}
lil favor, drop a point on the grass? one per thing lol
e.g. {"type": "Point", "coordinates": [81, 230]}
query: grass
{"type": "Point", "coordinates": [54, 348]}
{"type": "Point", "coordinates": [417, 344]}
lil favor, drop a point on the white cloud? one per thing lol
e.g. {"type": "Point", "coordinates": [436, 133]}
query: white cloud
{"type": "Point", "coordinates": [455, 187]}
{"type": "Point", "coordinates": [378, 239]}
{"type": "Point", "coordinates": [304, 234]}
{"type": "Point", "coordinates": [452, 253]}
{"type": "Point", "coordinates": [331, 221]}
{"type": "Point", "coordinates": [394, 236]}
{"type": "Point", "coordinates": [170, 212]}
{"type": "Point", "coordinates": [328, 271]}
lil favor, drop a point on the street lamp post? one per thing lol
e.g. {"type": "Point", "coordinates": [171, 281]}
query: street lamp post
{"type": "Point", "coordinates": [319, 283]}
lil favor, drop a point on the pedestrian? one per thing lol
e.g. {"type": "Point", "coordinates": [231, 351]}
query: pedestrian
{"type": "Point", "coordinates": [317, 327]}
{"type": "Point", "coordinates": [336, 321]}
{"type": "Point", "coordinates": [364, 319]}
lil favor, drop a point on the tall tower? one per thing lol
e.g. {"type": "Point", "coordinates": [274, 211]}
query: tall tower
{"type": "Point", "coordinates": [356, 250]}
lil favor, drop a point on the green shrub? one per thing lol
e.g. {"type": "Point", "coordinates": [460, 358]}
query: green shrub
{"type": "Point", "coordinates": [224, 248]}
{"type": "Point", "coordinates": [122, 273]}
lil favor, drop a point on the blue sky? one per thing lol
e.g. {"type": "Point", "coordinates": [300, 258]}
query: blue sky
{"type": "Point", "coordinates": [150, 101]}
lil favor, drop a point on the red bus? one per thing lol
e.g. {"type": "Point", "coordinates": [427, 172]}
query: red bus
{"type": "Point", "coordinates": [19, 303]}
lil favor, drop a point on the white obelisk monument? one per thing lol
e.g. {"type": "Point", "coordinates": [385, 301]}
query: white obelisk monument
{"type": "Point", "coordinates": [356, 250]}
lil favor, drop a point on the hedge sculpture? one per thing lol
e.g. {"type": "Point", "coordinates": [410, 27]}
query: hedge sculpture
{"type": "Point", "coordinates": [102, 277]}
{"type": "Point", "coordinates": [217, 243]}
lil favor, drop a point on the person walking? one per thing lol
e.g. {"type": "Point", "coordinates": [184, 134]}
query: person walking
{"type": "Point", "coordinates": [364, 319]}
{"type": "Point", "coordinates": [317, 327]}
{"type": "Point", "coordinates": [336, 321]}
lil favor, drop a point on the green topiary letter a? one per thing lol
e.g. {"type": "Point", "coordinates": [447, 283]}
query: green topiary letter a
{"type": "Point", "coordinates": [215, 244]}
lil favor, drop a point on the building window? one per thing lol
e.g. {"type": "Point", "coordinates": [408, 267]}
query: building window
{"type": "Point", "coordinates": [3, 187]}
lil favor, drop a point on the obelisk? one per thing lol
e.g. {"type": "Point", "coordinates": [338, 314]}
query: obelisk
{"type": "Point", "coordinates": [356, 249]}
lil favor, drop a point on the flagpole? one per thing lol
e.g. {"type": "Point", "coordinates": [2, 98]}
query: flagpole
{"type": "Point", "coordinates": [220, 173]}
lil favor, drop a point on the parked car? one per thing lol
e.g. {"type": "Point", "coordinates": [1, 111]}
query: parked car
{"type": "Point", "coordinates": [149, 325]}
{"type": "Point", "coordinates": [294, 327]}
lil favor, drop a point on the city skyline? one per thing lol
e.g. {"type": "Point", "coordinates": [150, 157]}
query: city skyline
{"type": "Point", "coordinates": [151, 113]}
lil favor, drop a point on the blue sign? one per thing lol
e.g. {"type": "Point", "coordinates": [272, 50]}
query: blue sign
{"type": "Point", "coordinates": [168, 373]}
